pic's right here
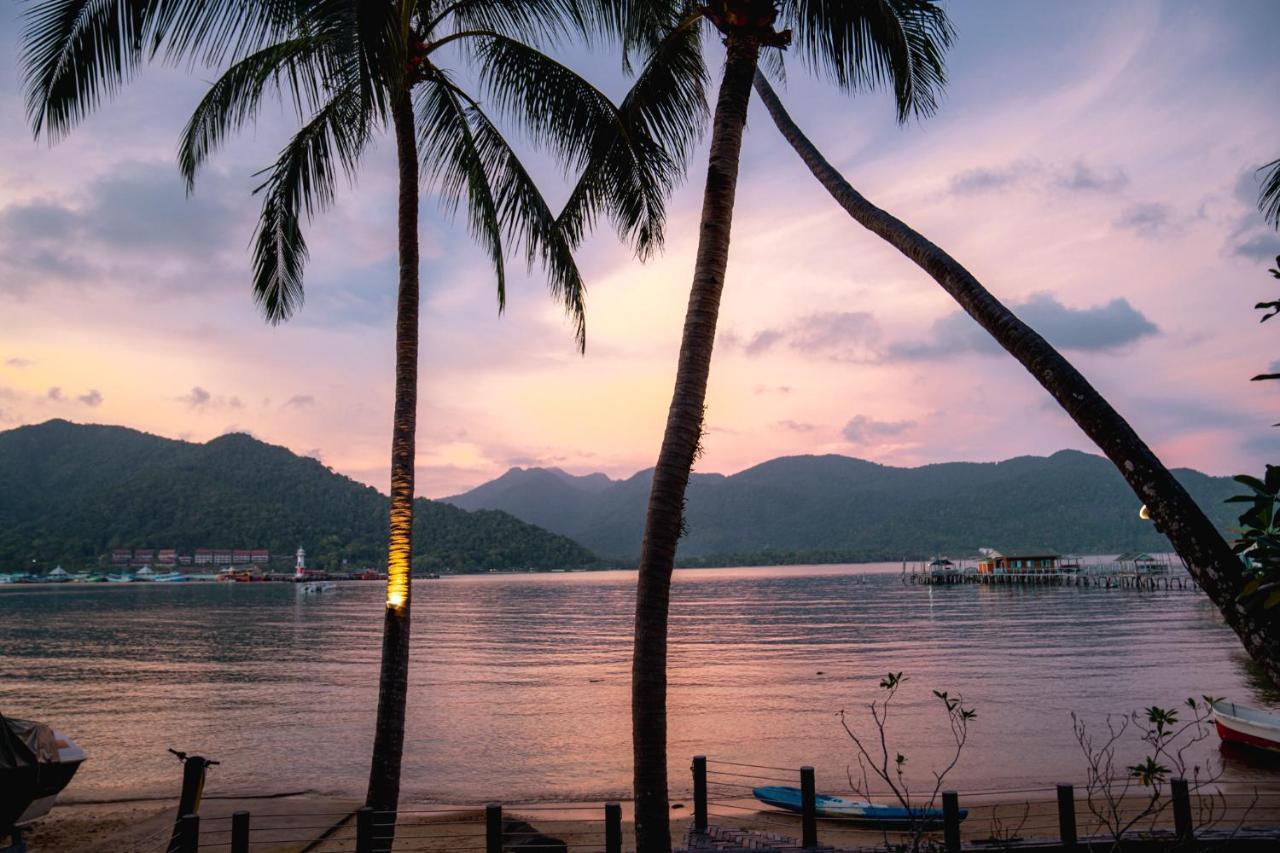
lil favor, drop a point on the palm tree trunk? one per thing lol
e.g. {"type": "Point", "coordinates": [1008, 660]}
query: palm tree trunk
{"type": "Point", "coordinates": [393, 685]}
{"type": "Point", "coordinates": [1207, 555]}
{"type": "Point", "coordinates": [679, 446]}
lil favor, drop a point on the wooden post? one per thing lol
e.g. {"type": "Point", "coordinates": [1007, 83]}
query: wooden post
{"type": "Point", "coordinates": [809, 809]}
{"type": "Point", "coordinates": [240, 832]}
{"type": "Point", "coordinates": [1181, 809]}
{"type": "Point", "coordinates": [699, 793]}
{"type": "Point", "coordinates": [1067, 817]}
{"type": "Point", "coordinates": [364, 830]}
{"type": "Point", "coordinates": [951, 821]}
{"type": "Point", "coordinates": [612, 828]}
{"type": "Point", "coordinates": [189, 834]}
{"type": "Point", "coordinates": [493, 828]}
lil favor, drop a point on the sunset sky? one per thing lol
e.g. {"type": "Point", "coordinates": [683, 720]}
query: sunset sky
{"type": "Point", "coordinates": [1093, 164]}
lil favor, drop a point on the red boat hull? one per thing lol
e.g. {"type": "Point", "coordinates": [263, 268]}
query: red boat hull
{"type": "Point", "coordinates": [1246, 739]}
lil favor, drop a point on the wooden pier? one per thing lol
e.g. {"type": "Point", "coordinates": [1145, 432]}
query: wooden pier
{"type": "Point", "coordinates": [1098, 580]}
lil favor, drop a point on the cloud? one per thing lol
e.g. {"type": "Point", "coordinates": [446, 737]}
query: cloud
{"type": "Point", "coordinates": [869, 431]}
{"type": "Point", "coordinates": [796, 426]}
{"type": "Point", "coordinates": [772, 389]}
{"type": "Point", "coordinates": [1146, 220]}
{"type": "Point", "coordinates": [197, 399]}
{"type": "Point", "coordinates": [973, 181]}
{"type": "Point", "coordinates": [848, 336]}
{"type": "Point", "coordinates": [1076, 176]}
{"type": "Point", "coordinates": [92, 398]}
{"type": "Point", "coordinates": [1260, 247]}
{"type": "Point", "coordinates": [1100, 328]}
{"type": "Point", "coordinates": [299, 401]}
{"type": "Point", "coordinates": [1080, 176]}
{"type": "Point", "coordinates": [54, 394]}
{"type": "Point", "coordinates": [133, 225]}
{"type": "Point", "coordinates": [17, 362]}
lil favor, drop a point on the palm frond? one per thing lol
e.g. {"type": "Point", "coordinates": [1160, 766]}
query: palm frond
{"type": "Point", "coordinates": [302, 182]}
{"type": "Point", "coordinates": [304, 65]}
{"type": "Point", "coordinates": [637, 160]}
{"type": "Point", "coordinates": [559, 110]}
{"type": "Point", "coordinates": [527, 20]}
{"type": "Point", "coordinates": [1269, 194]}
{"type": "Point", "coordinates": [522, 212]}
{"type": "Point", "coordinates": [865, 44]}
{"type": "Point", "coordinates": [451, 156]}
{"type": "Point", "coordinates": [76, 52]}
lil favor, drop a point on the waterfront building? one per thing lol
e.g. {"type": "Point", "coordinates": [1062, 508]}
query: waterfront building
{"type": "Point", "coordinates": [167, 556]}
{"type": "Point", "coordinates": [120, 556]}
{"type": "Point", "coordinates": [241, 555]}
{"type": "Point", "coordinates": [222, 556]}
{"type": "Point", "coordinates": [260, 555]}
{"type": "Point", "coordinates": [204, 556]}
{"type": "Point", "coordinates": [1023, 561]}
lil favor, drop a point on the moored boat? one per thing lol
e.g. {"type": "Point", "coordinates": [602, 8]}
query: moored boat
{"type": "Point", "coordinates": [315, 587]}
{"type": "Point", "coordinates": [858, 811]}
{"type": "Point", "coordinates": [36, 763]}
{"type": "Point", "coordinates": [170, 577]}
{"type": "Point", "coordinates": [1247, 726]}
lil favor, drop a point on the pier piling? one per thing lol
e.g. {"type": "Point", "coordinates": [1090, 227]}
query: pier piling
{"type": "Point", "coordinates": [364, 830]}
{"type": "Point", "coordinates": [612, 828]}
{"type": "Point", "coordinates": [951, 821]}
{"type": "Point", "coordinates": [699, 793]}
{"type": "Point", "coordinates": [189, 834]}
{"type": "Point", "coordinates": [1067, 817]}
{"type": "Point", "coordinates": [493, 828]}
{"type": "Point", "coordinates": [809, 808]}
{"type": "Point", "coordinates": [240, 832]}
{"type": "Point", "coordinates": [1182, 826]}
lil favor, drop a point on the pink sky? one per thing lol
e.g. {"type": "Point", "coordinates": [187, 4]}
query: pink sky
{"type": "Point", "coordinates": [1092, 166]}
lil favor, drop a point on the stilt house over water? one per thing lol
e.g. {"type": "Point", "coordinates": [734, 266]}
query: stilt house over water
{"type": "Point", "coordinates": [1021, 561]}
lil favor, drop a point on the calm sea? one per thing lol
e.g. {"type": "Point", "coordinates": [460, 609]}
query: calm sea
{"type": "Point", "coordinates": [520, 683]}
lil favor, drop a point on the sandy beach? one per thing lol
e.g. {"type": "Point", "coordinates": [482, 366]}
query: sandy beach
{"type": "Point", "coordinates": [307, 823]}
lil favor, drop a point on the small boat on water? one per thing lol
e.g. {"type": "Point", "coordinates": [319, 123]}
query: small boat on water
{"type": "Point", "coordinates": [170, 577]}
{"type": "Point", "coordinates": [858, 811]}
{"type": "Point", "coordinates": [317, 587]}
{"type": "Point", "coordinates": [36, 763]}
{"type": "Point", "coordinates": [1247, 726]}
{"type": "Point", "coordinates": [119, 578]}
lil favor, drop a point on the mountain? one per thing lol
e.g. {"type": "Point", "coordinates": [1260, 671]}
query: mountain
{"type": "Point", "coordinates": [69, 493]}
{"type": "Point", "coordinates": [834, 508]}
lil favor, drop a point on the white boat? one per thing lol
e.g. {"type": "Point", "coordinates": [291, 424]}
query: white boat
{"type": "Point", "coordinates": [170, 577]}
{"type": "Point", "coordinates": [119, 579]}
{"type": "Point", "coordinates": [317, 587]}
{"type": "Point", "coordinates": [144, 574]}
{"type": "Point", "coordinates": [36, 763]}
{"type": "Point", "coordinates": [5, 579]}
{"type": "Point", "coordinates": [1247, 726]}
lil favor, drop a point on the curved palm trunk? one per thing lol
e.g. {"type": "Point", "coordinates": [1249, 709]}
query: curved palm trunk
{"type": "Point", "coordinates": [393, 685]}
{"type": "Point", "coordinates": [679, 446]}
{"type": "Point", "coordinates": [1197, 541]}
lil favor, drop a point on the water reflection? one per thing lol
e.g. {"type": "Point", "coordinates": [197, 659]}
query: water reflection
{"type": "Point", "coordinates": [520, 684]}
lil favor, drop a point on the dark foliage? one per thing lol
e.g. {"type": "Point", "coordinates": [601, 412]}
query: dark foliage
{"type": "Point", "coordinates": [70, 493]}
{"type": "Point", "coordinates": [823, 509]}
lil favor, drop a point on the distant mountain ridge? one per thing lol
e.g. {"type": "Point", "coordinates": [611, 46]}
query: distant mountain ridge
{"type": "Point", "coordinates": [71, 492]}
{"type": "Point", "coordinates": [834, 508]}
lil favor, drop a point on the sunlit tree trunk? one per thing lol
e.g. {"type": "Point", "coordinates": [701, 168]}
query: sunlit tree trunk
{"type": "Point", "coordinates": [1207, 555]}
{"type": "Point", "coordinates": [393, 685]}
{"type": "Point", "coordinates": [679, 447]}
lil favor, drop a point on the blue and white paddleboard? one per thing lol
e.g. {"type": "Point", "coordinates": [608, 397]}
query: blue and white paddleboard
{"type": "Point", "coordinates": [783, 797]}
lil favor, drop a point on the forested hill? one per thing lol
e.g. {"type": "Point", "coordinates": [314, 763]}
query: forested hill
{"type": "Point", "coordinates": [835, 509]}
{"type": "Point", "coordinates": [70, 493]}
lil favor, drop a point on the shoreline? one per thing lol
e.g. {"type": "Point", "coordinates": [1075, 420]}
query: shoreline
{"type": "Point", "coordinates": [295, 822]}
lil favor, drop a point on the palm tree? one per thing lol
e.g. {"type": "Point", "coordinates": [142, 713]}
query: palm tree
{"type": "Point", "coordinates": [1207, 555]}
{"type": "Point", "coordinates": [351, 68]}
{"type": "Point", "coordinates": [858, 44]}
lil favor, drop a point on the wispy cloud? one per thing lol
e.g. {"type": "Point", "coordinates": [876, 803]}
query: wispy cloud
{"type": "Point", "coordinates": [866, 431]}
{"type": "Point", "coordinates": [1098, 328]}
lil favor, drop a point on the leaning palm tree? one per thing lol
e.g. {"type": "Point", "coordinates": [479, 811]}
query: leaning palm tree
{"type": "Point", "coordinates": [352, 68]}
{"type": "Point", "coordinates": [857, 44]}
{"type": "Point", "coordinates": [1207, 555]}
